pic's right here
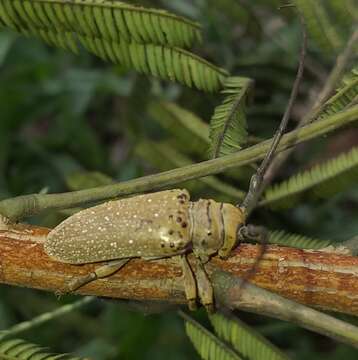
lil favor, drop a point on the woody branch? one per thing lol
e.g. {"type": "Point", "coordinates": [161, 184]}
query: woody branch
{"type": "Point", "coordinates": [326, 280]}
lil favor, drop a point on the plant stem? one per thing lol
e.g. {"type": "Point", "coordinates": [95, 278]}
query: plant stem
{"type": "Point", "coordinates": [26, 205]}
{"type": "Point", "coordinates": [45, 317]}
{"type": "Point", "coordinates": [234, 294]}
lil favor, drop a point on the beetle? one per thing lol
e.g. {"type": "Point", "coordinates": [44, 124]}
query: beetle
{"type": "Point", "coordinates": [149, 226]}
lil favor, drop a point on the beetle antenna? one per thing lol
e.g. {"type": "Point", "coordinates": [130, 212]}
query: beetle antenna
{"type": "Point", "coordinates": [257, 184]}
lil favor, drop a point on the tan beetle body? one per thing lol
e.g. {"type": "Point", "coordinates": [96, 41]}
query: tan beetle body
{"type": "Point", "coordinates": [154, 225]}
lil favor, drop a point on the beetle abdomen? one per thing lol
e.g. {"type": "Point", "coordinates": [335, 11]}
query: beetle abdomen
{"type": "Point", "coordinates": [151, 225]}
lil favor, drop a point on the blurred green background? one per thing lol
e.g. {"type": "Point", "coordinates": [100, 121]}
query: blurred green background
{"type": "Point", "coordinates": [62, 115]}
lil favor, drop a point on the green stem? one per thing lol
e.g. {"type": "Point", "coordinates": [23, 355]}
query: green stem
{"type": "Point", "coordinates": [45, 317]}
{"type": "Point", "coordinates": [26, 205]}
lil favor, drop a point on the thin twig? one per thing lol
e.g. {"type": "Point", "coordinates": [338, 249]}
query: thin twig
{"type": "Point", "coordinates": [334, 77]}
{"type": "Point", "coordinates": [45, 317]}
{"type": "Point", "coordinates": [256, 183]}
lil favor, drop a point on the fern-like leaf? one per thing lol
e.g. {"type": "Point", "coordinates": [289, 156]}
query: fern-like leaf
{"type": "Point", "coordinates": [17, 349]}
{"type": "Point", "coordinates": [228, 124]}
{"type": "Point", "coordinates": [280, 237]}
{"type": "Point", "coordinates": [206, 343]}
{"type": "Point", "coordinates": [320, 26]}
{"type": "Point", "coordinates": [168, 63]}
{"type": "Point", "coordinates": [107, 19]}
{"type": "Point", "coordinates": [345, 95]}
{"type": "Point", "coordinates": [322, 180]}
{"type": "Point", "coordinates": [249, 343]}
{"type": "Point", "coordinates": [100, 29]}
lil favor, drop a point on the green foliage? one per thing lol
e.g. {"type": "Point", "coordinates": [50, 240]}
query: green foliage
{"type": "Point", "coordinates": [247, 342]}
{"type": "Point", "coordinates": [283, 238]}
{"type": "Point", "coordinates": [22, 350]}
{"type": "Point", "coordinates": [345, 95]}
{"type": "Point", "coordinates": [321, 26]}
{"type": "Point", "coordinates": [346, 11]}
{"type": "Point", "coordinates": [167, 63]}
{"type": "Point", "coordinates": [109, 20]}
{"type": "Point", "coordinates": [322, 180]}
{"type": "Point", "coordinates": [144, 39]}
{"type": "Point", "coordinates": [182, 124]}
{"type": "Point", "coordinates": [209, 346]}
{"type": "Point", "coordinates": [228, 124]}
{"type": "Point", "coordinates": [66, 120]}
{"type": "Point", "coordinates": [238, 13]}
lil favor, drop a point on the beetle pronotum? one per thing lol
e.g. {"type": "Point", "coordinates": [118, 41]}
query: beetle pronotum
{"type": "Point", "coordinates": [149, 226]}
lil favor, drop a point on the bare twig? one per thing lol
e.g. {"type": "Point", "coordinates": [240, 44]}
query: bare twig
{"type": "Point", "coordinates": [331, 83]}
{"type": "Point", "coordinates": [257, 181]}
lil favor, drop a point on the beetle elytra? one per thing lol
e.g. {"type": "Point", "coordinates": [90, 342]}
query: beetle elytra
{"type": "Point", "coordinates": [149, 226]}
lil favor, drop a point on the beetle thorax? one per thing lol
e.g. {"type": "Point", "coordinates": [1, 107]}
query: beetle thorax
{"type": "Point", "coordinates": [214, 227]}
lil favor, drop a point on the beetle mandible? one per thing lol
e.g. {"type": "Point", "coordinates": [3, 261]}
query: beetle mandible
{"type": "Point", "coordinates": [149, 226]}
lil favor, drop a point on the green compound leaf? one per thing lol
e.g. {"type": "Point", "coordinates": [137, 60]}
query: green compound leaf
{"type": "Point", "coordinates": [280, 237]}
{"type": "Point", "coordinates": [168, 63]}
{"type": "Point", "coordinates": [107, 19]}
{"type": "Point", "coordinates": [134, 37]}
{"type": "Point", "coordinates": [228, 124]}
{"type": "Point", "coordinates": [17, 349]}
{"type": "Point", "coordinates": [321, 27]}
{"type": "Point", "coordinates": [345, 95]}
{"type": "Point", "coordinates": [322, 180]}
{"type": "Point", "coordinates": [249, 343]}
{"type": "Point", "coordinates": [209, 346]}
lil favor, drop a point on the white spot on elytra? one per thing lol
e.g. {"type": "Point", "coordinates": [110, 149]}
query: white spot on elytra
{"type": "Point", "coordinates": [130, 241]}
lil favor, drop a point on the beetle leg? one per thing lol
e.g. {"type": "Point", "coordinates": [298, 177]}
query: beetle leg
{"type": "Point", "coordinates": [205, 288]}
{"type": "Point", "coordinates": [103, 271]}
{"type": "Point", "coordinates": [189, 283]}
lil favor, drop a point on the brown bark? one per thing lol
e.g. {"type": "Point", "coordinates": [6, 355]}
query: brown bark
{"type": "Point", "coordinates": [320, 279]}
